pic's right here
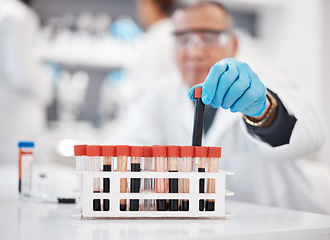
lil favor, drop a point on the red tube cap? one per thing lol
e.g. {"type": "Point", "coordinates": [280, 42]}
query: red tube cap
{"type": "Point", "coordinates": [147, 151]}
{"type": "Point", "coordinates": [214, 152]}
{"type": "Point", "coordinates": [159, 151]}
{"type": "Point", "coordinates": [201, 151]}
{"type": "Point", "coordinates": [108, 151]}
{"type": "Point", "coordinates": [198, 92]}
{"type": "Point", "coordinates": [93, 150]}
{"type": "Point", "coordinates": [136, 151]}
{"type": "Point", "coordinates": [122, 150]}
{"type": "Point", "coordinates": [80, 150]}
{"type": "Point", "coordinates": [187, 151]}
{"type": "Point", "coordinates": [173, 151]}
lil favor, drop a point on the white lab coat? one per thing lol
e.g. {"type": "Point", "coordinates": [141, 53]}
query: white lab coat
{"type": "Point", "coordinates": [24, 87]}
{"type": "Point", "coordinates": [263, 174]}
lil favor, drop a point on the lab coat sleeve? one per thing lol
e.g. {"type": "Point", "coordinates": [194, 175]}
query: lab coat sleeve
{"type": "Point", "coordinates": [280, 131]}
{"type": "Point", "coordinates": [23, 71]}
{"type": "Point", "coordinates": [308, 133]}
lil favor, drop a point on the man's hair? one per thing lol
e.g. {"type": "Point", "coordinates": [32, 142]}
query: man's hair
{"type": "Point", "coordinates": [166, 6]}
{"type": "Point", "coordinates": [27, 2]}
{"type": "Point", "coordinates": [205, 3]}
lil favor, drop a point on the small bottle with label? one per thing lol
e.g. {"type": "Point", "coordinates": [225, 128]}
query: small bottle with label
{"type": "Point", "coordinates": [25, 165]}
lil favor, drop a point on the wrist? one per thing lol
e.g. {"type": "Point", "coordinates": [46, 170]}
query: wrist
{"type": "Point", "coordinates": [259, 118]}
{"type": "Point", "coordinates": [267, 117]}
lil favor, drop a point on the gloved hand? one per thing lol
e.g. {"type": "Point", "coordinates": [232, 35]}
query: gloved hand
{"type": "Point", "coordinates": [232, 84]}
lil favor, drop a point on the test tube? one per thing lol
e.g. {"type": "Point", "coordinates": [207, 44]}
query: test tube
{"type": "Point", "coordinates": [108, 153]}
{"type": "Point", "coordinates": [26, 159]}
{"type": "Point", "coordinates": [136, 155]}
{"type": "Point", "coordinates": [147, 182]}
{"type": "Point", "coordinates": [186, 152]}
{"type": "Point", "coordinates": [198, 118]}
{"type": "Point", "coordinates": [93, 154]}
{"type": "Point", "coordinates": [122, 153]}
{"type": "Point", "coordinates": [173, 153]}
{"type": "Point", "coordinates": [159, 153]}
{"type": "Point", "coordinates": [80, 152]}
{"type": "Point", "coordinates": [214, 155]}
{"type": "Point", "coordinates": [200, 157]}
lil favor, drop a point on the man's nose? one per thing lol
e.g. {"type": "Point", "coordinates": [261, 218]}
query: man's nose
{"type": "Point", "coordinates": [195, 50]}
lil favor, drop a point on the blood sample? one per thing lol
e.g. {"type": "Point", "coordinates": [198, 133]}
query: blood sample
{"type": "Point", "coordinates": [173, 153]}
{"type": "Point", "coordinates": [214, 155]}
{"type": "Point", "coordinates": [186, 152]}
{"type": "Point", "coordinates": [199, 118]}
{"type": "Point", "coordinates": [159, 153]}
{"type": "Point", "coordinates": [148, 183]}
{"type": "Point", "coordinates": [136, 155]}
{"type": "Point", "coordinates": [26, 159]}
{"type": "Point", "coordinates": [93, 154]}
{"type": "Point", "coordinates": [108, 153]}
{"type": "Point", "coordinates": [200, 157]}
{"type": "Point", "coordinates": [122, 153]}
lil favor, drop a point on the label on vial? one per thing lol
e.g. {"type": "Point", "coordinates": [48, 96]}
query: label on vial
{"type": "Point", "coordinates": [26, 161]}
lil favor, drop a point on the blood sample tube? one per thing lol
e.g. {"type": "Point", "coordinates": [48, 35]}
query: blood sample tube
{"type": "Point", "coordinates": [26, 159]}
{"type": "Point", "coordinates": [173, 153]}
{"type": "Point", "coordinates": [186, 152]}
{"type": "Point", "coordinates": [122, 153]}
{"type": "Point", "coordinates": [214, 155]}
{"type": "Point", "coordinates": [80, 152]}
{"type": "Point", "coordinates": [147, 182]}
{"type": "Point", "coordinates": [159, 153]}
{"type": "Point", "coordinates": [93, 154]}
{"type": "Point", "coordinates": [199, 118]}
{"type": "Point", "coordinates": [200, 157]}
{"type": "Point", "coordinates": [136, 156]}
{"type": "Point", "coordinates": [108, 153]}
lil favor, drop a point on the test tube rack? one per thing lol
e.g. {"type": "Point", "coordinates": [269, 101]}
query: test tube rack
{"type": "Point", "coordinates": [114, 196]}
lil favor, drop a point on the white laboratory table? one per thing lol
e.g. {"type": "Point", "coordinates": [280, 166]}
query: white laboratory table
{"type": "Point", "coordinates": [36, 221]}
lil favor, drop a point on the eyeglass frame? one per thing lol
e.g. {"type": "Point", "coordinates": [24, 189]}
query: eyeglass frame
{"type": "Point", "coordinates": [197, 31]}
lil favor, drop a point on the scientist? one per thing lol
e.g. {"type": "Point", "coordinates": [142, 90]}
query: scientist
{"type": "Point", "coordinates": [263, 125]}
{"type": "Point", "coordinates": [154, 47]}
{"type": "Point", "coordinates": [25, 88]}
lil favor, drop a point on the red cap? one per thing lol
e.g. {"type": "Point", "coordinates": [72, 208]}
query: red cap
{"type": "Point", "coordinates": [122, 150]}
{"type": "Point", "coordinates": [109, 151]}
{"type": "Point", "coordinates": [198, 92]}
{"type": "Point", "coordinates": [147, 151]}
{"type": "Point", "coordinates": [93, 150]}
{"type": "Point", "coordinates": [187, 151]}
{"type": "Point", "coordinates": [136, 151]}
{"type": "Point", "coordinates": [214, 152]}
{"type": "Point", "coordinates": [200, 151]}
{"type": "Point", "coordinates": [159, 151]}
{"type": "Point", "coordinates": [80, 150]}
{"type": "Point", "coordinates": [173, 151]}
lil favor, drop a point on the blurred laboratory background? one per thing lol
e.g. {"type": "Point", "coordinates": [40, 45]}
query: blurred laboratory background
{"type": "Point", "coordinates": [89, 50]}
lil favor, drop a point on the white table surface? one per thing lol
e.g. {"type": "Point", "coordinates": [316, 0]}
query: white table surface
{"type": "Point", "coordinates": [26, 220]}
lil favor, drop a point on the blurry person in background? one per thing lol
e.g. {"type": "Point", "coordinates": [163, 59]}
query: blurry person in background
{"type": "Point", "coordinates": [265, 126]}
{"type": "Point", "coordinates": [25, 89]}
{"type": "Point", "coordinates": [153, 56]}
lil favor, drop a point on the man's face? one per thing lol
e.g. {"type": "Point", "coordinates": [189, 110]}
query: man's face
{"type": "Point", "coordinates": [201, 41]}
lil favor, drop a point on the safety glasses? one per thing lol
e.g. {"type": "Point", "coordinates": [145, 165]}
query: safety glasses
{"type": "Point", "coordinates": [205, 38]}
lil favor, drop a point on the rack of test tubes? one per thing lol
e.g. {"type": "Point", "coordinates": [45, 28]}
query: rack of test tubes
{"type": "Point", "coordinates": [149, 181]}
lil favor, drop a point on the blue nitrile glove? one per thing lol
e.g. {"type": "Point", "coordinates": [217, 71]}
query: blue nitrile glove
{"type": "Point", "coordinates": [232, 84]}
